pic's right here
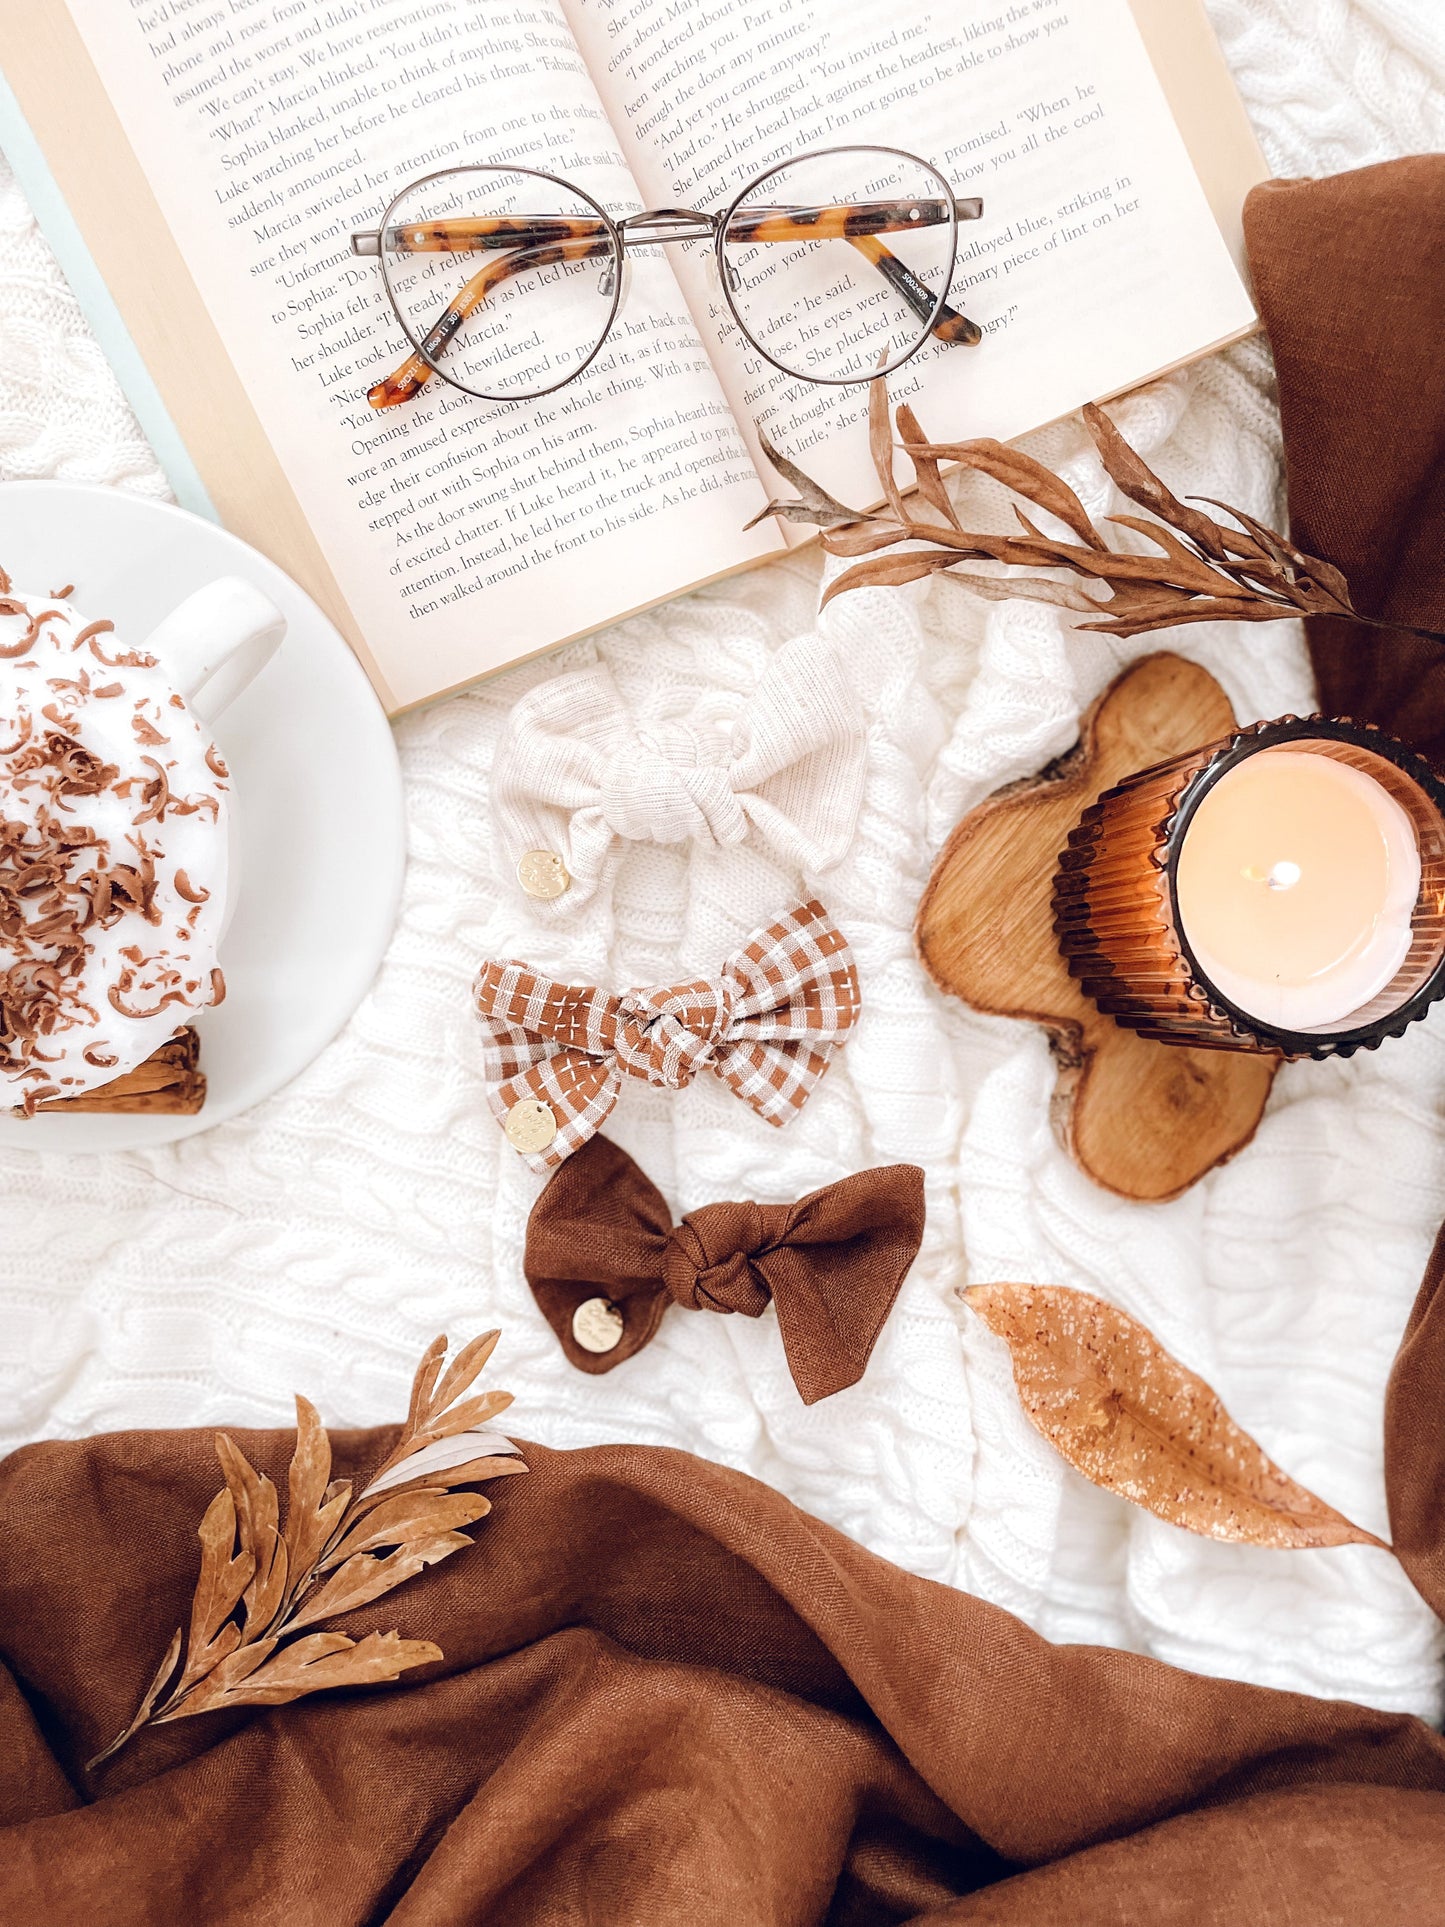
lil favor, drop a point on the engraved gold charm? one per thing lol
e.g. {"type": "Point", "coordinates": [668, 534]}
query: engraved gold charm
{"type": "Point", "coordinates": [597, 1325]}
{"type": "Point", "coordinates": [543, 874]}
{"type": "Point", "coordinates": [531, 1125]}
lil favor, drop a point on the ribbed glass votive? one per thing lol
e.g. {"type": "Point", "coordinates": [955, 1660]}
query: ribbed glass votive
{"type": "Point", "coordinates": [1138, 911]}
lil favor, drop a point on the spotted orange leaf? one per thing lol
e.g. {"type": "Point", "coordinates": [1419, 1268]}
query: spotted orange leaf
{"type": "Point", "coordinates": [1107, 1396]}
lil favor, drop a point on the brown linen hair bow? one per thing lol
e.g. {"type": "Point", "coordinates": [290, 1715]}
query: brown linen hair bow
{"type": "Point", "coordinates": [605, 1260]}
{"type": "Point", "coordinates": [767, 1024]}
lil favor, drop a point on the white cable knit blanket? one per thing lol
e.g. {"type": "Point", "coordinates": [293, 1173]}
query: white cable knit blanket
{"type": "Point", "coordinates": [318, 1242]}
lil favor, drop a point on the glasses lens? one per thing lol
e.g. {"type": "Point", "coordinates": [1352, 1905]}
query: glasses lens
{"type": "Point", "coordinates": [505, 281]}
{"type": "Point", "coordinates": [836, 259]}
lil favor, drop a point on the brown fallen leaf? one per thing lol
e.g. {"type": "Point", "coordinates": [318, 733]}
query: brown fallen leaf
{"type": "Point", "coordinates": [262, 1676]}
{"type": "Point", "coordinates": [260, 1583]}
{"type": "Point", "coordinates": [1197, 570]}
{"type": "Point", "coordinates": [1107, 1396]}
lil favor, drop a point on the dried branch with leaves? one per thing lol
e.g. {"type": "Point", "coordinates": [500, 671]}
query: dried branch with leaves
{"type": "Point", "coordinates": [262, 1582]}
{"type": "Point", "coordinates": [1107, 1396]}
{"type": "Point", "coordinates": [1196, 569]}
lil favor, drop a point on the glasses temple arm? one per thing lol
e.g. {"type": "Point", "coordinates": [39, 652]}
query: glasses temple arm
{"type": "Point", "coordinates": [414, 373]}
{"type": "Point", "coordinates": [469, 234]}
{"type": "Point", "coordinates": [842, 220]}
{"type": "Point", "coordinates": [948, 324]}
{"type": "Point", "coordinates": [860, 224]}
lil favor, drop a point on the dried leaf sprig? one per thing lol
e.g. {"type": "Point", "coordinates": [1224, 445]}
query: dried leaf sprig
{"type": "Point", "coordinates": [1127, 1414]}
{"type": "Point", "coordinates": [262, 1582]}
{"type": "Point", "coordinates": [1198, 570]}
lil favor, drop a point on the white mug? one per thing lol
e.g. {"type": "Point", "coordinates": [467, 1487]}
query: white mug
{"type": "Point", "coordinates": [216, 642]}
{"type": "Point", "coordinates": [212, 646]}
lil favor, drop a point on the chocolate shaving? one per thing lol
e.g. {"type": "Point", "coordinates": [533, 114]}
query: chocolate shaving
{"type": "Point", "coordinates": [90, 632]}
{"type": "Point", "coordinates": [156, 794]}
{"type": "Point", "coordinates": [190, 891]}
{"type": "Point", "coordinates": [214, 762]}
{"type": "Point", "coordinates": [191, 804]}
{"type": "Point", "coordinates": [63, 595]}
{"type": "Point", "coordinates": [63, 766]}
{"type": "Point", "coordinates": [146, 732]}
{"type": "Point", "coordinates": [117, 992]}
{"type": "Point", "coordinates": [32, 634]}
{"type": "Point", "coordinates": [127, 659]}
{"type": "Point", "coordinates": [135, 885]}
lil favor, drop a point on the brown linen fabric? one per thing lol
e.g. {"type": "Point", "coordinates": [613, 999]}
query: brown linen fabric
{"type": "Point", "coordinates": [1415, 1437]}
{"type": "Point", "coordinates": [1349, 275]}
{"type": "Point", "coordinates": [832, 1263]}
{"type": "Point", "coordinates": [668, 1697]}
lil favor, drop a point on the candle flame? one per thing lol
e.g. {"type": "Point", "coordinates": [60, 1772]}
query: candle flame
{"type": "Point", "coordinates": [1283, 875]}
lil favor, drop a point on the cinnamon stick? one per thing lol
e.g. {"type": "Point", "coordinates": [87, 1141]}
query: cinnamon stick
{"type": "Point", "coordinates": [169, 1082]}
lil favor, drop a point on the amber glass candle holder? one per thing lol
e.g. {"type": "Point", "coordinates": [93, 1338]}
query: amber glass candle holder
{"type": "Point", "coordinates": [1116, 898]}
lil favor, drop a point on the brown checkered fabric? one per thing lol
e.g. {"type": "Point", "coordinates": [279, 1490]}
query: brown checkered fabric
{"type": "Point", "coordinates": [767, 1025]}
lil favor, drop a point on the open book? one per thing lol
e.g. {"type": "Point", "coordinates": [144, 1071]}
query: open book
{"type": "Point", "coordinates": [217, 155]}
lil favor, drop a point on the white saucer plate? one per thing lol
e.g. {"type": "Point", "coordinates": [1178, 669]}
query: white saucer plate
{"type": "Point", "coordinates": [318, 795]}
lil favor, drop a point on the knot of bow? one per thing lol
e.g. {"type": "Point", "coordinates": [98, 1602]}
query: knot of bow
{"type": "Point", "coordinates": [575, 775]}
{"type": "Point", "coordinates": [656, 789]}
{"type": "Point", "coordinates": [711, 1261]}
{"type": "Point", "coordinates": [832, 1263]}
{"type": "Point", "coordinates": [767, 1025]}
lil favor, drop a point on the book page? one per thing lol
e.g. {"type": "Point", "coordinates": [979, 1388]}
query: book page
{"type": "Point", "coordinates": [1097, 262]}
{"type": "Point", "coordinates": [464, 534]}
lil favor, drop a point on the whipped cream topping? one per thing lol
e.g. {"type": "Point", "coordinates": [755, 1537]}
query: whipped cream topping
{"type": "Point", "coordinates": [114, 823]}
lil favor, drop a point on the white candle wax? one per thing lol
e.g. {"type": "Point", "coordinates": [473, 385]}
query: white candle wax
{"type": "Point", "coordinates": [1295, 886]}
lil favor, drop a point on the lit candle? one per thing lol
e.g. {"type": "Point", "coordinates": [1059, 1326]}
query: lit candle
{"type": "Point", "coordinates": [1296, 882]}
{"type": "Point", "coordinates": [1280, 890]}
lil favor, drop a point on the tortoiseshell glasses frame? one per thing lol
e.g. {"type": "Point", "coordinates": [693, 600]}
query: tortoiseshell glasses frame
{"type": "Point", "coordinates": [540, 241]}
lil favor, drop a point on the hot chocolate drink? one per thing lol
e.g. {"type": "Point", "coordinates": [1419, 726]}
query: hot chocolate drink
{"type": "Point", "coordinates": [114, 833]}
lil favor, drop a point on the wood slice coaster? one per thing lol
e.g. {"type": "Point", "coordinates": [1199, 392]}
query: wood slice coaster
{"type": "Point", "coordinates": [170, 1080]}
{"type": "Point", "coordinates": [1142, 1119]}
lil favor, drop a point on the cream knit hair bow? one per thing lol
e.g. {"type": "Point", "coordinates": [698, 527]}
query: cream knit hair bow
{"type": "Point", "coordinates": [575, 777]}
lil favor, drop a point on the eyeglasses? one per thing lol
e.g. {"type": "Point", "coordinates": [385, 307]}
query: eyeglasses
{"type": "Point", "coordinates": [798, 257]}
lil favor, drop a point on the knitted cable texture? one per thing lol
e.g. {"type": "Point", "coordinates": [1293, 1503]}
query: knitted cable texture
{"type": "Point", "coordinates": [321, 1239]}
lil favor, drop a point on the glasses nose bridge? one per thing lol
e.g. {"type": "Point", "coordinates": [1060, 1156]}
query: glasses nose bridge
{"type": "Point", "coordinates": [661, 224]}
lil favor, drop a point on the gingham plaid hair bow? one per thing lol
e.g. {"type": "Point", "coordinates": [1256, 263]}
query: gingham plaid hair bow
{"type": "Point", "coordinates": [767, 1024]}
